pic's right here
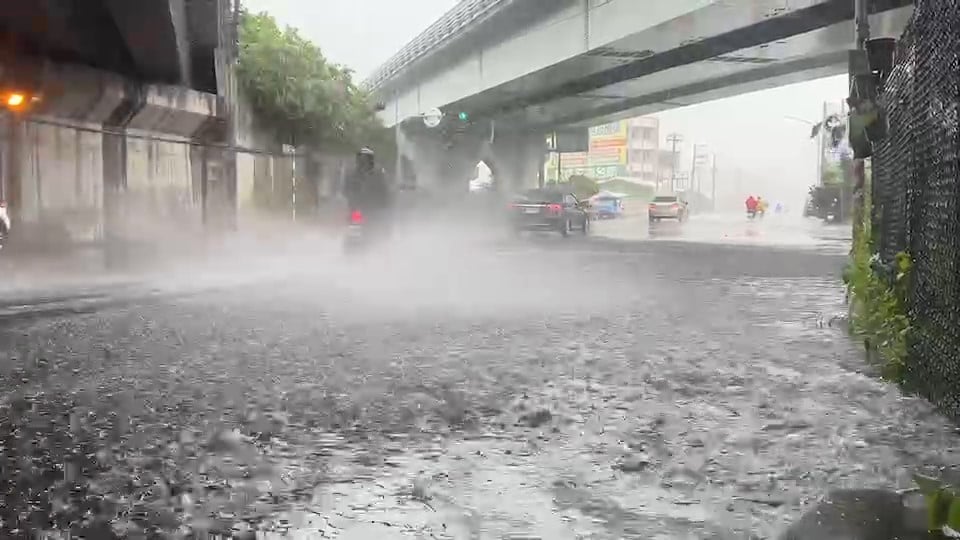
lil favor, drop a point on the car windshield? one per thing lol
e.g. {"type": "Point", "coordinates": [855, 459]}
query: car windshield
{"type": "Point", "coordinates": [665, 199]}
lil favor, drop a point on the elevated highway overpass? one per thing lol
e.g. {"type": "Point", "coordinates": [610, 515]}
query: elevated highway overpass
{"type": "Point", "coordinates": [93, 61]}
{"type": "Point", "coordinates": [528, 66]}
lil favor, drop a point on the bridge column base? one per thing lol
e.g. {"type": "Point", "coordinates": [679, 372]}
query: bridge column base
{"type": "Point", "coordinates": [516, 158]}
{"type": "Point", "coordinates": [434, 163]}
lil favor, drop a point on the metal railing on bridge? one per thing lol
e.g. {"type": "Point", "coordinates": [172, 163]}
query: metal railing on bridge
{"type": "Point", "coordinates": [451, 23]}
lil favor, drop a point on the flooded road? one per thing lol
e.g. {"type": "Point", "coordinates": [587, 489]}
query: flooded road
{"type": "Point", "coordinates": [596, 387]}
{"type": "Point", "coordinates": [774, 230]}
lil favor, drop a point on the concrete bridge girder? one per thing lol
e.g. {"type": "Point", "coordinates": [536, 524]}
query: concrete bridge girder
{"type": "Point", "coordinates": [155, 33]}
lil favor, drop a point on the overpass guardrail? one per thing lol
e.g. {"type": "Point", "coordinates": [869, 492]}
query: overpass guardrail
{"type": "Point", "coordinates": [451, 23]}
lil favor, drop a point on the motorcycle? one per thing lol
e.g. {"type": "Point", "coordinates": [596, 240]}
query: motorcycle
{"type": "Point", "coordinates": [354, 239]}
{"type": "Point", "coordinates": [362, 232]}
{"type": "Point", "coordinates": [751, 214]}
{"type": "Point", "coordinates": [832, 214]}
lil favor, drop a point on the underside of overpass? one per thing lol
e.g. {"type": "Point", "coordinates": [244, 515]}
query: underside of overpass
{"type": "Point", "coordinates": [159, 41]}
{"type": "Point", "coordinates": [143, 65]}
{"type": "Point", "coordinates": [529, 68]}
{"type": "Point", "coordinates": [588, 62]}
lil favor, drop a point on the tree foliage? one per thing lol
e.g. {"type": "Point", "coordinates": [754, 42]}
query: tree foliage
{"type": "Point", "coordinates": [297, 93]}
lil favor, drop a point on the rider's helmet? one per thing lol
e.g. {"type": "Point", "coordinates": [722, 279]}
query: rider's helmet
{"type": "Point", "coordinates": [366, 159]}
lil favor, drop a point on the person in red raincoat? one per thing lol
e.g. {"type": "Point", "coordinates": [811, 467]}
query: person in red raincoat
{"type": "Point", "coordinates": [752, 203]}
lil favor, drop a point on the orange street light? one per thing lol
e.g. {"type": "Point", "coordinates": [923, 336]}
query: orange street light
{"type": "Point", "coordinates": [16, 99]}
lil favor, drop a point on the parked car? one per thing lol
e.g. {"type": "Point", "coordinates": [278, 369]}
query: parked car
{"type": "Point", "coordinates": [549, 210]}
{"type": "Point", "coordinates": [668, 207]}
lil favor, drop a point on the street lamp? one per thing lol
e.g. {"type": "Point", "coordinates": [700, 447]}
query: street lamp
{"type": "Point", "coordinates": [819, 134]}
{"type": "Point", "coordinates": [17, 100]}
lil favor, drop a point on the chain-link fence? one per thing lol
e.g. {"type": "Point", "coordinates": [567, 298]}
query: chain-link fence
{"type": "Point", "coordinates": [916, 194]}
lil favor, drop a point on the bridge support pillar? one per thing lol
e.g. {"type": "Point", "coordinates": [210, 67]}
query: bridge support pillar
{"type": "Point", "coordinates": [517, 158]}
{"type": "Point", "coordinates": [445, 166]}
{"type": "Point", "coordinates": [437, 165]}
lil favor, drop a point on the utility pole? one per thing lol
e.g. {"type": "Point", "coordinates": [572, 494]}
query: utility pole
{"type": "Point", "coordinates": [862, 25]}
{"type": "Point", "coordinates": [397, 136]}
{"type": "Point", "coordinates": [713, 184]}
{"type": "Point", "coordinates": [559, 166]}
{"type": "Point", "coordinates": [693, 170]}
{"type": "Point", "coordinates": [821, 140]}
{"type": "Point", "coordinates": [673, 139]}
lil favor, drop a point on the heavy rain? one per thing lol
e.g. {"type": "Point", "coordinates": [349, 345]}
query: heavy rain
{"type": "Point", "coordinates": [516, 310]}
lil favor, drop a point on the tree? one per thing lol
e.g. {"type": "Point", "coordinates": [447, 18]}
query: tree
{"type": "Point", "coordinates": [297, 93]}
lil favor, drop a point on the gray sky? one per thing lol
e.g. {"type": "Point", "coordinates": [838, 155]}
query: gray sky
{"type": "Point", "coordinates": [757, 146]}
{"type": "Point", "coordinates": [360, 34]}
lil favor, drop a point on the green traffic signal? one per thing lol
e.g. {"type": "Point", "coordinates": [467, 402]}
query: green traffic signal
{"type": "Point", "coordinates": [463, 116]}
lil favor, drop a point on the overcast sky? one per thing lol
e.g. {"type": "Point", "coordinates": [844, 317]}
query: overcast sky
{"type": "Point", "coordinates": [360, 34]}
{"type": "Point", "coordinates": [756, 144]}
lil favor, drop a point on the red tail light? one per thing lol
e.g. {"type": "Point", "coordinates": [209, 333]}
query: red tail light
{"type": "Point", "coordinates": [675, 206]}
{"type": "Point", "coordinates": [554, 208]}
{"type": "Point", "coordinates": [356, 217]}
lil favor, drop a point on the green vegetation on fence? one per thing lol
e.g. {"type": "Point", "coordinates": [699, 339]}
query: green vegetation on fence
{"type": "Point", "coordinates": [942, 502]}
{"type": "Point", "coordinates": [879, 298]}
{"type": "Point", "coordinates": [295, 92]}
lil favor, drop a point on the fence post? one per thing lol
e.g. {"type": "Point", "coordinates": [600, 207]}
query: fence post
{"type": "Point", "coordinates": [857, 61]}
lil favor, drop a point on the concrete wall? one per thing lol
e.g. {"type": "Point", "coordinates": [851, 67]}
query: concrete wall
{"type": "Point", "coordinates": [61, 181]}
{"type": "Point", "coordinates": [162, 198]}
{"type": "Point", "coordinates": [273, 186]}
{"type": "Point", "coordinates": [53, 177]}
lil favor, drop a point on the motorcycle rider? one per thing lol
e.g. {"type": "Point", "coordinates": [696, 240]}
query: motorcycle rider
{"type": "Point", "coordinates": [761, 206]}
{"type": "Point", "coordinates": [367, 190]}
{"type": "Point", "coordinates": [751, 204]}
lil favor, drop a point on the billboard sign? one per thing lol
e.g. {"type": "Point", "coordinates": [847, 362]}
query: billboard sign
{"type": "Point", "coordinates": [613, 130]}
{"type": "Point", "coordinates": [568, 160]}
{"type": "Point", "coordinates": [602, 172]}
{"type": "Point", "coordinates": [569, 140]}
{"type": "Point", "coordinates": [608, 144]}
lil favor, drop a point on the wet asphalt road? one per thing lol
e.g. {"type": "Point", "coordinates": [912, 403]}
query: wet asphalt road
{"type": "Point", "coordinates": [688, 381]}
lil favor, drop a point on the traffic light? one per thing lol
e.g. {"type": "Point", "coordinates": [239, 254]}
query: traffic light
{"type": "Point", "coordinates": [463, 116]}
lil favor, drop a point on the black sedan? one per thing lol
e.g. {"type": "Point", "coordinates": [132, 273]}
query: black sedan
{"type": "Point", "coordinates": [549, 210]}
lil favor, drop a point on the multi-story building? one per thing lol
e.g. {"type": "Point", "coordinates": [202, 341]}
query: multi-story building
{"type": "Point", "coordinates": [643, 160]}
{"type": "Point", "coordinates": [625, 149]}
